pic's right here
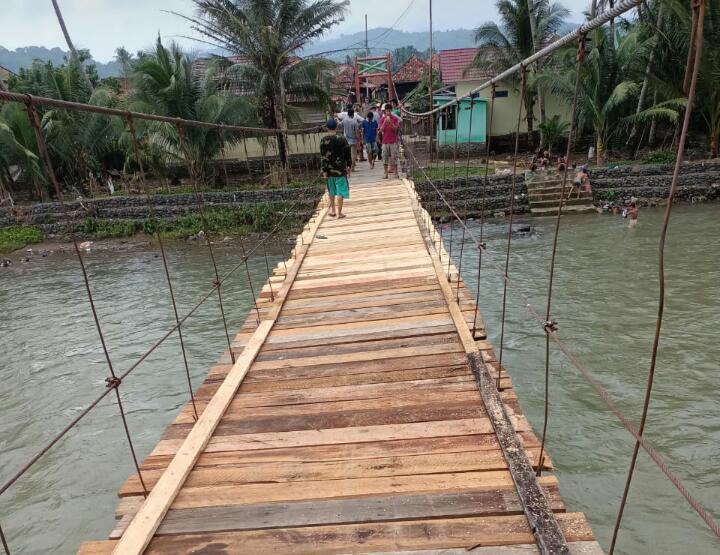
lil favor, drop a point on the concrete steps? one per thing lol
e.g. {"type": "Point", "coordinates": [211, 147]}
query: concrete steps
{"type": "Point", "coordinates": [544, 195]}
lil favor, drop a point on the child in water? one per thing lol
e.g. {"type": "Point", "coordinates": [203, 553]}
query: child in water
{"type": "Point", "coordinates": [632, 213]}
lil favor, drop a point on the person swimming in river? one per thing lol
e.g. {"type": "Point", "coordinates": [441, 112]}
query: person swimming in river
{"type": "Point", "coordinates": [632, 215]}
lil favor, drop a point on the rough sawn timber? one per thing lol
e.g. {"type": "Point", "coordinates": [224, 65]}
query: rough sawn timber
{"type": "Point", "coordinates": [355, 423]}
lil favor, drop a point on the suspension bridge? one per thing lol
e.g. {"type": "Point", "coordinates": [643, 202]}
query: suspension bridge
{"type": "Point", "coordinates": [361, 407]}
{"type": "Point", "coordinates": [360, 413]}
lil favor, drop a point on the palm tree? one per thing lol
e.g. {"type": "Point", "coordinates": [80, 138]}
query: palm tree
{"type": "Point", "coordinates": [269, 34]}
{"type": "Point", "coordinates": [78, 141]}
{"type": "Point", "coordinates": [554, 130]}
{"type": "Point", "coordinates": [608, 88]}
{"type": "Point", "coordinates": [75, 57]}
{"type": "Point", "coordinates": [18, 149]}
{"type": "Point", "coordinates": [504, 45]}
{"type": "Point", "coordinates": [164, 84]}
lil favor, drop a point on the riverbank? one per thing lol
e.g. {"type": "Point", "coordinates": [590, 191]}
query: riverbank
{"type": "Point", "coordinates": [648, 184]}
{"type": "Point", "coordinates": [178, 216]}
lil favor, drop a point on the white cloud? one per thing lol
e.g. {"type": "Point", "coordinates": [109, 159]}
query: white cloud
{"type": "Point", "coordinates": [103, 25]}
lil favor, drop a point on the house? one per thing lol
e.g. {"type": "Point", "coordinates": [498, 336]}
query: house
{"type": "Point", "coordinates": [5, 75]}
{"type": "Point", "coordinates": [409, 75]}
{"type": "Point", "coordinates": [461, 79]}
{"type": "Point", "coordinates": [456, 124]}
{"type": "Point", "coordinates": [231, 82]}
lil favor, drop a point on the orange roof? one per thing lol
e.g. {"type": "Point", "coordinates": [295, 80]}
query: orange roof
{"type": "Point", "coordinates": [454, 66]}
{"type": "Point", "coordinates": [411, 71]}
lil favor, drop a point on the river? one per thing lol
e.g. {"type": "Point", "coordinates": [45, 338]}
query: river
{"type": "Point", "coordinates": [605, 302]}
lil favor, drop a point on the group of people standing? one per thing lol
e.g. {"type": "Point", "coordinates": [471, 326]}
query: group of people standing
{"type": "Point", "coordinates": [349, 137]}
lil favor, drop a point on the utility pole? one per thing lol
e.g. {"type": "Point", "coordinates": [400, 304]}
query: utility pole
{"type": "Point", "coordinates": [367, 48]}
{"type": "Point", "coordinates": [430, 85]}
{"type": "Point", "coordinates": [367, 55]}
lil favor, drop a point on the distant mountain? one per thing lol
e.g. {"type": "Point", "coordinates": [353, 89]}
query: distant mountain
{"type": "Point", "coordinates": [382, 40]}
{"type": "Point", "coordinates": [24, 57]}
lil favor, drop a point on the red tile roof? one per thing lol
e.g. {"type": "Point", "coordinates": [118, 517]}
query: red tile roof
{"type": "Point", "coordinates": [345, 78]}
{"type": "Point", "coordinates": [411, 71]}
{"type": "Point", "coordinates": [454, 66]}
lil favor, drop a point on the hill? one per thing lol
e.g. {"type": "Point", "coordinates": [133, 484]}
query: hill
{"type": "Point", "coordinates": [24, 57]}
{"type": "Point", "coordinates": [382, 39]}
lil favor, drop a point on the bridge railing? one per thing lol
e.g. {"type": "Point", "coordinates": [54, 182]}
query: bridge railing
{"type": "Point", "coordinates": [291, 220]}
{"type": "Point", "coordinates": [425, 165]}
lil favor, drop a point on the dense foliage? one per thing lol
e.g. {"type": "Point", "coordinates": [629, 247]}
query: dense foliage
{"type": "Point", "coordinates": [84, 147]}
{"type": "Point", "coordinates": [631, 88]}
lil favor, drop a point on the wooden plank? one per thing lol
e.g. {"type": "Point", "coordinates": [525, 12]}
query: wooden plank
{"type": "Point", "coordinates": [548, 535]}
{"type": "Point", "coordinates": [344, 511]}
{"type": "Point", "coordinates": [143, 526]}
{"type": "Point", "coordinates": [395, 537]}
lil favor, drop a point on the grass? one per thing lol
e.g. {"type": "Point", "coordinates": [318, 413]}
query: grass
{"type": "Point", "coordinates": [16, 237]}
{"type": "Point", "coordinates": [234, 186]}
{"type": "Point", "coordinates": [450, 171]}
{"type": "Point", "coordinates": [226, 221]}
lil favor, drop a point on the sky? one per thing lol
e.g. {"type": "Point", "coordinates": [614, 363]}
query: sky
{"type": "Point", "coordinates": [103, 25]}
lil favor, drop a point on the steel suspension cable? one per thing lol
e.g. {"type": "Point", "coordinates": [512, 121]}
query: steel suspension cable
{"type": "Point", "coordinates": [602, 393]}
{"type": "Point", "coordinates": [4, 542]}
{"type": "Point", "coordinates": [481, 245]}
{"type": "Point", "coordinates": [588, 376]}
{"type": "Point", "coordinates": [452, 194]}
{"type": "Point", "coordinates": [692, 69]}
{"type": "Point", "coordinates": [158, 234]}
{"type": "Point", "coordinates": [467, 173]}
{"type": "Point", "coordinates": [200, 197]}
{"type": "Point", "coordinates": [523, 85]}
{"type": "Point", "coordinates": [619, 9]}
{"type": "Point", "coordinates": [110, 385]}
{"type": "Point", "coordinates": [580, 57]}
{"type": "Point", "coordinates": [113, 382]}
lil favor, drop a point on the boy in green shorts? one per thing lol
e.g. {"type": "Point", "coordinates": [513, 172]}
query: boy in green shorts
{"type": "Point", "coordinates": [336, 158]}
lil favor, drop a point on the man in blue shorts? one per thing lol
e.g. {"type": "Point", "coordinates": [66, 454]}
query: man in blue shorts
{"type": "Point", "coordinates": [370, 127]}
{"type": "Point", "coordinates": [336, 158]}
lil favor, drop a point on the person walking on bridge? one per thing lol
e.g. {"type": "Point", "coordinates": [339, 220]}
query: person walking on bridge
{"type": "Point", "coordinates": [389, 126]}
{"type": "Point", "coordinates": [336, 160]}
{"type": "Point", "coordinates": [351, 130]}
{"type": "Point", "coordinates": [370, 127]}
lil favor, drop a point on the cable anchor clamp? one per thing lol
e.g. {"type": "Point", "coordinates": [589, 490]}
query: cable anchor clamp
{"type": "Point", "coordinates": [216, 284]}
{"type": "Point", "coordinates": [482, 246]}
{"type": "Point", "coordinates": [550, 326]}
{"type": "Point", "coordinates": [112, 382]}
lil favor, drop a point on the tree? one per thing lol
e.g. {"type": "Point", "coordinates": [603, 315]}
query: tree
{"type": "Point", "coordinates": [401, 55]}
{"type": "Point", "coordinates": [418, 99]}
{"type": "Point", "coordinates": [269, 34]}
{"type": "Point", "coordinates": [504, 45]}
{"type": "Point", "coordinates": [78, 141]}
{"type": "Point", "coordinates": [73, 53]}
{"type": "Point", "coordinates": [164, 84]}
{"type": "Point", "coordinates": [608, 88]}
{"type": "Point", "coordinates": [18, 149]}
{"type": "Point", "coordinates": [553, 129]}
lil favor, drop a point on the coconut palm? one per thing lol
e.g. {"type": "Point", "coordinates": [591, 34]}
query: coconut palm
{"type": "Point", "coordinates": [553, 129]}
{"type": "Point", "coordinates": [74, 56]}
{"type": "Point", "coordinates": [77, 141]}
{"type": "Point", "coordinates": [504, 45]}
{"type": "Point", "coordinates": [268, 35]}
{"type": "Point", "coordinates": [669, 71]}
{"type": "Point", "coordinates": [18, 151]}
{"type": "Point", "coordinates": [609, 87]}
{"type": "Point", "coordinates": [164, 84]}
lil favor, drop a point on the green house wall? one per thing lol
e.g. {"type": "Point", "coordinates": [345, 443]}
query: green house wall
{"type": "Point", "coordinates": [463, 121]}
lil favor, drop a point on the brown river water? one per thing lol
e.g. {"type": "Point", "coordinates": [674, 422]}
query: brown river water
{"type": "Point", "coordinates": [51, 367]}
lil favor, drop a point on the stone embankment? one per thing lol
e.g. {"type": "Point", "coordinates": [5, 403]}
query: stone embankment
{"type": "Point", "coordinates": [648, 184]}
{"type": "Point", "coordinates": [49, 216]}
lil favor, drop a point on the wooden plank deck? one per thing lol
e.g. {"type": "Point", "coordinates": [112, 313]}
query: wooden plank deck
{"type": "Point", "coordinates": [358, 427]}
